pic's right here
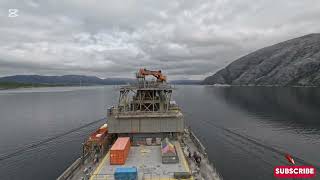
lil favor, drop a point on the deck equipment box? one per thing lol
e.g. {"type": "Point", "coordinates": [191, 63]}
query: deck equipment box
{"type": "Point", "coordinates": [168, 152]}
{"type": "Point", "coordinates": [126, 173]}
{"type": "Point", "coordinates": [119, 151]}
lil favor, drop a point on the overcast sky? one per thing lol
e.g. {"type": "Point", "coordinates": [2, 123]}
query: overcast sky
{"type": "Point", "coordinates": [187, 39]}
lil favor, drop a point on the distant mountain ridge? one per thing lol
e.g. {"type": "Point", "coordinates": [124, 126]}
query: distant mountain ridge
{"type": "Point", "coordinates": [78, 79]}
{"type": "Point", "coordinates": [65, 80]}
{"type": "Point", "coordinates": [186, 82]}
{"type": "Point", "coordinates": [295, 62]}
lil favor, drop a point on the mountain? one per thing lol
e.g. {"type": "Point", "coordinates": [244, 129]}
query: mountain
{"type": "Point", "coordinates": [295, 62]}
{"type": "Point", "coordinates": [186, 82]}
{"type": "Point", "coordinates": [64, 80]}
{"type": "Point", "coordinates": [77, 80]}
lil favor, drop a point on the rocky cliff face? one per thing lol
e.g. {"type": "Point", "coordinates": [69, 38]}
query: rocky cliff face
{"type": "Point", "coordinates": [295, 62]}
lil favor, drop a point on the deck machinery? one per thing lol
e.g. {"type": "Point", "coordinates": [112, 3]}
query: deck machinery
{"type": "Point", "coordinates": [161, 146]}
{"type": "Point", "coordinates": [145, 109]}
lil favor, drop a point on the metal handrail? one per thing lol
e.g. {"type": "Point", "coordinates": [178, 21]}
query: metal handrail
{"type": "Point", "coordinates": [197, 142]}
{"type": "Point", "coordinates": [147, 84]}
{"type": "Point", "coordinates": [69, 172]}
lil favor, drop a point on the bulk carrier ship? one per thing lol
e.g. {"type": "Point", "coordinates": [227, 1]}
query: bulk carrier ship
{"type": "Point", "coordinates": [144, 138]}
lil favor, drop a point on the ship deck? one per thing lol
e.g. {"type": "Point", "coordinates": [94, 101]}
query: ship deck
{"type": "Point", "coordinates": [147, 159]}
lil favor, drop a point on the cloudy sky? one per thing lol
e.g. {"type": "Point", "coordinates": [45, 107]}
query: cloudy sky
{"type": "Point", "coordinates": [187, 39]}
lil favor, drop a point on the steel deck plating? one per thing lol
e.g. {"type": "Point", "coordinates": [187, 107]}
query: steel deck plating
{"type": "Point", "coordinates": [147, 159]}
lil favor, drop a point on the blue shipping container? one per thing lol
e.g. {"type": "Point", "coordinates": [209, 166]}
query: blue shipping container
{"type": "Point", "coordinates": [126, 173]}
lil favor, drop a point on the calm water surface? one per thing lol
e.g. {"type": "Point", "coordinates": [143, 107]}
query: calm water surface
{"type": "Point", "coordinates": [245, 129]}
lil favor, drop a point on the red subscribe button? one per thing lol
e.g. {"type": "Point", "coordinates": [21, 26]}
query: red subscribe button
{"type": "Point", "coordinates": [294, 172]}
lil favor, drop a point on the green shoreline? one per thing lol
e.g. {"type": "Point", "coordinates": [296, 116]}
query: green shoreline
{"type": "Point", "coordinates": [15, 85]}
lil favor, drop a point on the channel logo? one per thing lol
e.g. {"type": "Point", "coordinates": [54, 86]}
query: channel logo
{"type": "Point", "coordinates": [294, 171]}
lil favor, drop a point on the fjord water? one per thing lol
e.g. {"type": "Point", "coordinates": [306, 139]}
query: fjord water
{"type": "Point", "coordinates": [245, 129]}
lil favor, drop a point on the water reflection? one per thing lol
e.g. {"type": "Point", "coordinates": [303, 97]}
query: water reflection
{"type": "Point", "coordinates": [261, 115]}
{"type": "Point", "coordinates": [260, 123]}
{"type": "Point", "coordinates": [292, 107]}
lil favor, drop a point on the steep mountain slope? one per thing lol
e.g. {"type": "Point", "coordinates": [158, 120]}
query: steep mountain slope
{"type": "Point", "coordinates": [295, 62]}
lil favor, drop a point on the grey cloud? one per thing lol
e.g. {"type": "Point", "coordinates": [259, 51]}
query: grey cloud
{"type": "Point", "coordinates": [185, 38]}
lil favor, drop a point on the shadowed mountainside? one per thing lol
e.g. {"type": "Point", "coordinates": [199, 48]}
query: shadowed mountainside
{"type": "Point", "coordinates": [295, 62]}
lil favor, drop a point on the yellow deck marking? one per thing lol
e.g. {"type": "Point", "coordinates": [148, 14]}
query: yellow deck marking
{"type": "Point", "coordinates": [185, 164]}
{"type": "Point", "coordinates": [106, 157]}
{"type": "Point", "coordinates": [100, 166]}
{"type": "Point", "coordinates": [164, 179]}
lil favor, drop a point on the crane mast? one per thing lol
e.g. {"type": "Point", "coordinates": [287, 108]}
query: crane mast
{"type": "Point", "coordinates": [146, 107]}
{"type": "Point", "coordinates": [142, 73]}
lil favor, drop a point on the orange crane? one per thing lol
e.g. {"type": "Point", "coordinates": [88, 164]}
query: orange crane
{"type": "Point", "coordinates": [157, 74]}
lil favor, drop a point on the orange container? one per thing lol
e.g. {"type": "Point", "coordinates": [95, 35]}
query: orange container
{"type": "Point", "coordinates": [99, 134]}
{"type": "Point", "coordinates": [119, 151]}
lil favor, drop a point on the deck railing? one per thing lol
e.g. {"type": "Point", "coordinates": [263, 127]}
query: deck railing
{"type": "Point", "coordinates": [197, 142]}
{"type": "Point", "coordinates": [73, 168]}
{"type": "Point", "coordinates": [170, 112]}
{"type": "Point", "coordinates": [69, 172]}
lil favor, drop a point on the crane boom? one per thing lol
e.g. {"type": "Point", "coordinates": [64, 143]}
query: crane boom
{"type": "Point", "coordinates": [157, 74]}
